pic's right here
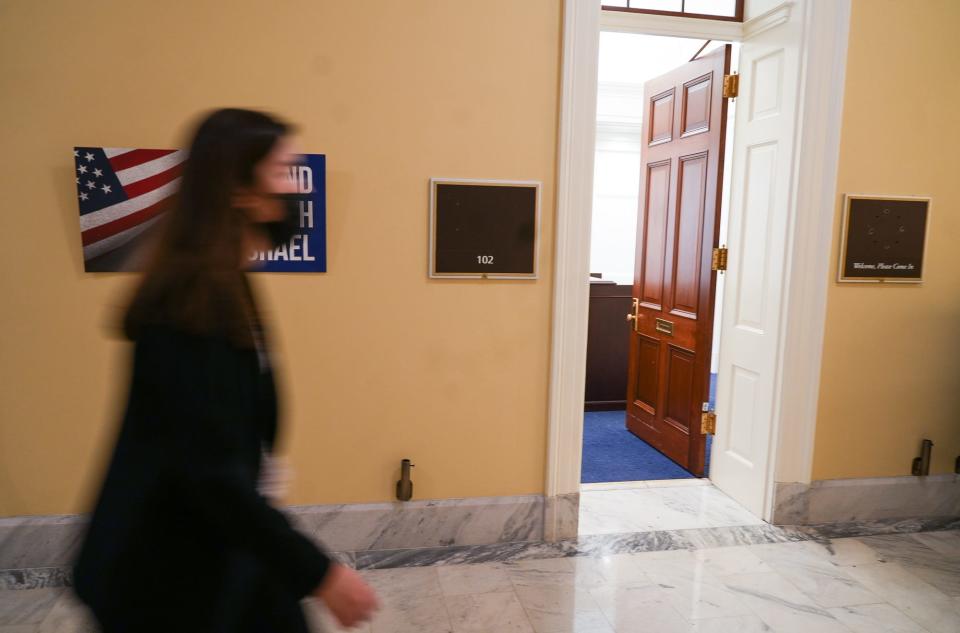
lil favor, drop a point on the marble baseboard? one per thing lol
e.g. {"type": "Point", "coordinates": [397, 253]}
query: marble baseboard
{"type": "Point", "coordinates": [35, 578]}
{"type": "Point", "coordinates": [438, 523]}
{"type": "Point", "coordinates": [561, 517]}
{"type": "Point", "coordinates": [881, 527]}
{"type": "Point", "coordinates": [594, 546]}
{"type": "Point", "coordinates": [31, 546]}
{"type": "Point", "coordinates": [849, 500]}
{"type": "Point", "coordinates": [40, 542]}
{"type": "Point", "coordinates": [599, 545]}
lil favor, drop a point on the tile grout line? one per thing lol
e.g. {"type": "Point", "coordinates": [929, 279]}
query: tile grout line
{"type": "Point", "coordinates": [526, 613]}
{"type": "Point", "coordinates": [443, 601]}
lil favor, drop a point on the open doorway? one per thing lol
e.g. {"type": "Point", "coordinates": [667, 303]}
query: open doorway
{"type": "Point", "coordinates": [660, 199]}
{"type": "Point", "coordinates": [782, 200]}
{"type": "Point", "coordinates": [616, 452]}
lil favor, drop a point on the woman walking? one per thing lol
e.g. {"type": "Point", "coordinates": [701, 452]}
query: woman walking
{"type": "Point", "coordinates": [180, 538]}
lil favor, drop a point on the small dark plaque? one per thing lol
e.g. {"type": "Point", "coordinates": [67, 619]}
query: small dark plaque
{"type": "Point", "coordinates": [484, 228]}
{"type": "Point", "coordinates": [883, 239]}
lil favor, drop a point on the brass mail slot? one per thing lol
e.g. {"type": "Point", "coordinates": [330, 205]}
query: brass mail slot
{"type": "Point", "coordinates": [662, 325]}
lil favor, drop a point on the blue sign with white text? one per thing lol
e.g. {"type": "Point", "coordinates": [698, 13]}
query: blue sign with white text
{"type": "Point", "coordinates": [306, 252]}
{"type": "Point", "coordinates": [123, 194]}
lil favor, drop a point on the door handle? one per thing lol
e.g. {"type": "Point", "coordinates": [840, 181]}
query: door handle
{"type": "Point", "coordinates": [634, 315]}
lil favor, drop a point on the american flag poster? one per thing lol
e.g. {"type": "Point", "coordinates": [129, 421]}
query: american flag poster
{"type": "Point", "coordinates": [122, 194]}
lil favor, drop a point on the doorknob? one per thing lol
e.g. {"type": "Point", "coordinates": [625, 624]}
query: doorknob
{"type": "Point", "coordinates": [633, 315]}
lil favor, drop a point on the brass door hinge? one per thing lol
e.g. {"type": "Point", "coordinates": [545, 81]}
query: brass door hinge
{"type": "Point", "coordinates": [708, 423]}
{"type": "Point", "coordinates": [731, 86]}
{"type": "Point", "coordinates": [719, 259]}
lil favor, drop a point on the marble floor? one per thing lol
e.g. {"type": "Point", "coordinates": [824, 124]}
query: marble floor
{"type": "Point", "coordinates": [902, 583]}
{"type": "Point", "coordinates": [680, 504]}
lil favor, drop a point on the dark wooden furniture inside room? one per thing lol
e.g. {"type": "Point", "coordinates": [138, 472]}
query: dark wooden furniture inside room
{"type": "Point", "coordinates": [608, 346]}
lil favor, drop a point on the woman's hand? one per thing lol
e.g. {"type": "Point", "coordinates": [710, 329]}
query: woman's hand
{"type": "Point", "coordinates": [347, 596]}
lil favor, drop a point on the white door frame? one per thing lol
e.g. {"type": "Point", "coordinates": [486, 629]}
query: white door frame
{"type": "Point", "coordinates": [823, 53]}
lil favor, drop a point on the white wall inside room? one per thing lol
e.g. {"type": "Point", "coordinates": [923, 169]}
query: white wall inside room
{"type": "Point", "coordinates": [627, 61]}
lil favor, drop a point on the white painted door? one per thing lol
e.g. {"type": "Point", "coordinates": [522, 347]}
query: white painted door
{"type": "Point", "coordinates": [753, 291]}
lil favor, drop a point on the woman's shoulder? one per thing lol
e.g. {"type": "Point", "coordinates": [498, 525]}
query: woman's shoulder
{"type": "Point", "coordinates": [209, 308]}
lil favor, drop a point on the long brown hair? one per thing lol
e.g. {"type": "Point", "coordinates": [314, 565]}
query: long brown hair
{"type": "Point", "coordinates": [194, 281]}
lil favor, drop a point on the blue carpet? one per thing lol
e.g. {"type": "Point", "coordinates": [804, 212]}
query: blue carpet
{"type": "Point", "coordinates": [612, 453]}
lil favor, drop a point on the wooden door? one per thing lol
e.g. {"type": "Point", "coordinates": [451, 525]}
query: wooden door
{"type": "Point", "coordinates": [684, 123]}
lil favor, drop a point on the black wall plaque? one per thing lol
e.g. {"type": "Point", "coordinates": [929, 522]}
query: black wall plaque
{"type": "Point", "coordinates": [484, 228]}
{"type": "Point", "coordinates": [883, 238]}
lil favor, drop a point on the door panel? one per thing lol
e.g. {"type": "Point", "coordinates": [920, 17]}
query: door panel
{"type": "Point", "coordinates": [759, 207]}
{"type": "Point", "coordinates": [680, 376]}
{"type": "Point", "coordinates": [673, 280]}
{"type": "Point", "coordinates": [648, 352]}
{"type": "Point", "coordinates": [654, 247]}
{"type": "Point", "coordinates": [696, 106]}
{"type": "Point", "coordinates": [752, 236]}
{"type": "Point", "coordinates": [687, 251]}
{"type": "Point", "coordinates": [661, 118]}
{"type": "Point", "coordinates": [739, 444]}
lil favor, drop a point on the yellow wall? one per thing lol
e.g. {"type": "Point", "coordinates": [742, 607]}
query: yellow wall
{"type": "Point", "coordinates": [380, 363]}
{"type": "Point", "coordinates": [891, 362]}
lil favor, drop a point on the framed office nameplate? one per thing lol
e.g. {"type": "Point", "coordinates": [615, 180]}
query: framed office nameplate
{"type": "Point", "coordinates": [484, 229]}
{"type": "Point", "coordinates": [883, 238]}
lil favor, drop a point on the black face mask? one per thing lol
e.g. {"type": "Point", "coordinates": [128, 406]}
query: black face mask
{"type": "Point", "coordinates": [280, 231]}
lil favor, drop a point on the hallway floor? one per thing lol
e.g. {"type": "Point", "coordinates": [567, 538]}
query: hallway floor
{"type": "Point", "coordinates": [901, 583]}
{"type": "Point", "coordinates": [681, 504]}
